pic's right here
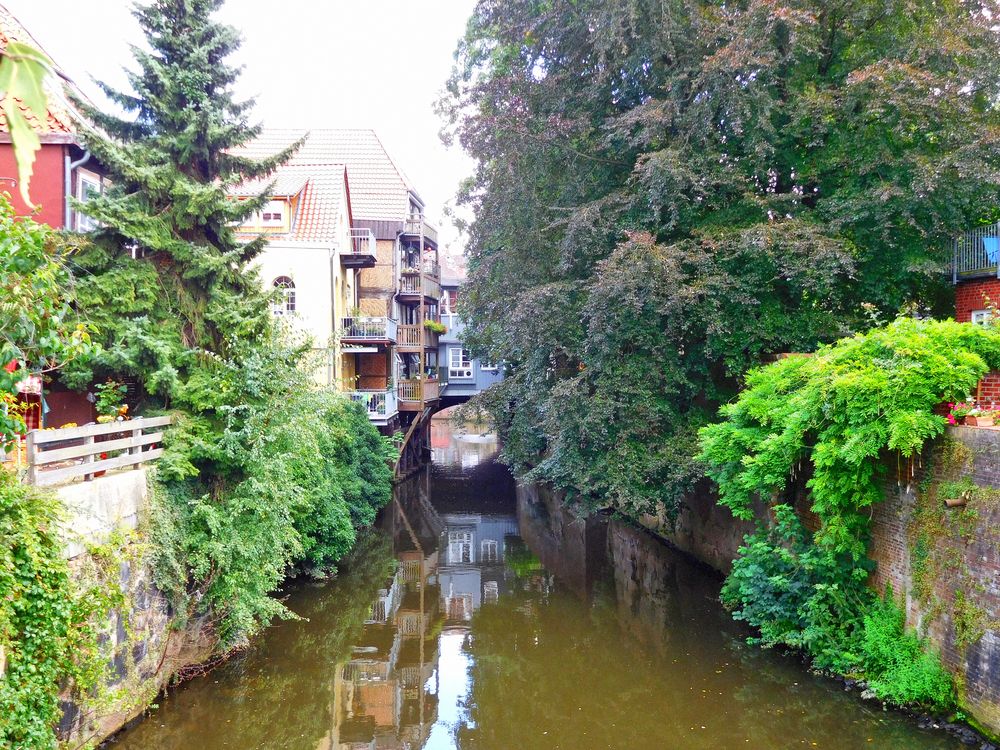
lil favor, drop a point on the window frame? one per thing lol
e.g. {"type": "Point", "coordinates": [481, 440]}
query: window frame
{"type": "Point", "coordinates": [461, 372]}
{"type": "Point", "coordinates": [288, 304]}
{"type": "Point", "coordinates": [981, 317]}
{"type": "Point", "coordinates": [83, 222]}
{"type": "Point", "coordinates": [271, 223]}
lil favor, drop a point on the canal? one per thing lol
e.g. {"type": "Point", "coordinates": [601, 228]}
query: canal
{"type": "Point", "coordinates": [473, 619]}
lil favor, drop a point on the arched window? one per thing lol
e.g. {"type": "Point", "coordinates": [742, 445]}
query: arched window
{"type": "Point", "coordinates": [285, 303]}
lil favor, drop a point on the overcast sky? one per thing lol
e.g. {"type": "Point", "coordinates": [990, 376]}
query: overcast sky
{"type": "Point", "coordinates": [309, 63]}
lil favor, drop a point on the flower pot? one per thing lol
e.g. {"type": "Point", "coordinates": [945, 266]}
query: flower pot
{"type": "Point", "coordinates": [979, 421]}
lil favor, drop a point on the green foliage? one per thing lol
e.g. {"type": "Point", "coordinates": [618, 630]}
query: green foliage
{"type": "Point", "coordinates": [36, 334]}
{"type": "Point", "coordinates": [797, 594]}
{"type": "Point", "coordinates": [899, 667]}
{"type": "Point", "coordinates": [435, 327]}
{"type": "Point", "coordinates": [110, 397]}
{"type": "Point", "coordinates": [46, 623]}
{"type": "Point", "coordinates": [22, 86]}
{"type": "Point", "coordinates": [261, 471]}
{"type": "Point", "coordinates": [840, 410]}
{"type": "Point", "coordinates": [668, 191]}
{"type": "Point", "coordinates": [264, 472]}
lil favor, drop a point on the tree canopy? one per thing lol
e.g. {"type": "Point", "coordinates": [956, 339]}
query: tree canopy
{"type": "Point", "coordinates": [667, 192]}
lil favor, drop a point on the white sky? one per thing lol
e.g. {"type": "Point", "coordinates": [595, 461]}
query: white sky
{"type": "Point", "coordinates": [309, 63]}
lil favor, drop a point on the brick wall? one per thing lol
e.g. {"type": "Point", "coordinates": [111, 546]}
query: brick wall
{"type": "Point", "coordinates": [965, 556]}
{"type": "Point", "coordinates": [972, 295]}
{"type": "Point", "coordinates": [989, 389]}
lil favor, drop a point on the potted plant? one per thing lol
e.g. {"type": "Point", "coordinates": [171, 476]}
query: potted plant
{"type": "Point", "coordinates": [979, 418]}
{"type": "Point", "coordinates": [435, 327]}
{"type": "Point", "coordinates": [958, 412]}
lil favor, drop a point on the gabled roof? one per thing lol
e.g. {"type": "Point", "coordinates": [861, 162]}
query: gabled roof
{"type": "Point", "coordinates": [321, 190]}
{"type": "Point", "coordinates": [379, 189]}
{"type": "Point", "coordinates": [59, 119]}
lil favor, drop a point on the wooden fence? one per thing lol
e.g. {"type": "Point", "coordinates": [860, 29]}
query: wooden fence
{"type": "Point", "coordinates": [57, 456]}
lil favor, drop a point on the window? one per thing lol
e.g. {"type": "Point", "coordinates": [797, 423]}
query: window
{"type": "Point", "coordinates": [88, 188]}
{"type": "Point", "coordinates": [489, 551]}
{"type": "Point", "coordinates": [459, 607]}
{"type": "Point", "coordinates": [981, 317]}
{"type": "Point", "coordinates": [459, 364]}
{"type": "Point", "coordinates": [491, 592]}
{"type": "Point", "coordinates": [273, 214]}
{"type": "Point", "coordinates": [487, 366]}
{"type": "Point", "coordinates": [285, 302]}
{"type": "Point", "coordinates": [460, 547]}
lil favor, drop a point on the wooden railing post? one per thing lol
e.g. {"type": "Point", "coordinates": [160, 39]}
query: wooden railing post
{"type": "Point", "coordinates": [89, 458]}
{"type": "Point", "coordinates": [30, 450]}
{"type": "Point", "coordinates": [137, 448]}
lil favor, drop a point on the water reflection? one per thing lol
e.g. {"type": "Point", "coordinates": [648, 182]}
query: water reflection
{"type": "Point", "coordinates": [476, 621]}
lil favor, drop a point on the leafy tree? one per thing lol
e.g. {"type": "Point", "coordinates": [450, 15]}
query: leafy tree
{"type": "Point", "coordinates": [23, 71]}
{"type": "Point", "coordinates": [36, 335]}
{"type": "Point", "coordinates": [667, 192]}
{"type": "Point", "coordinates": [830, 420]}
{"type": "Point", "coordinates": [262, 471]}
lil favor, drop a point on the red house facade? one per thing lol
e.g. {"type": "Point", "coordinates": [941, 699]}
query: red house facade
{"type": "Point", "coordinates": [63, 169]}
{"type": "Point", "coordinates": [976, 274]}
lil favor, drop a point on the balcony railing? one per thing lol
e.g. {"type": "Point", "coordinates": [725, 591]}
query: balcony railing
{"type": "Point", "coordinates": [976, 253]}
{"type": "Point", "coordinates": [415, 227]}
{"type": "Point", "coordinates": [419, 284]}
{"type": "Point", "coordinates": [417, 335]}
{"type": "Point", "coordinates": [368, 329]}
{"type": "Point", "coordinates": [379, 404]}
{"type": "Point", "coordinates": [362, 242]}
{"type": "Point", "coordinates": [418, 390]}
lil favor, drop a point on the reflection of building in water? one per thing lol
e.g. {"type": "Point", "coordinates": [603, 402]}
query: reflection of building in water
{"type": "Point", "coordinates": [467, 446]}
{"type": "Point", "coordinates": [385, 696]}
{"type": "Point", "coordinates": [450, 564]}
{"type": "Point", "coordinates": [473, 547]}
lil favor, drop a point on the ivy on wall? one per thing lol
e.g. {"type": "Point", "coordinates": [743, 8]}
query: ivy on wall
{"type": "Point", "coordinates": [48, 624]}
{"type": "Point", "coordinates": [836, 414]}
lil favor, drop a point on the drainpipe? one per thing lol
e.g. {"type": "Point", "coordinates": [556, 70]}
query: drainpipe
{"type": "Point", "coordinates": [68, 182]}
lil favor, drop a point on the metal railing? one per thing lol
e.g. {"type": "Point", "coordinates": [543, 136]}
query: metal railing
{"type": "Point", "coordinates": [420, 284]}
{"type": "Point", "coordinates": [368, 329]}
{"type": "Point", "coordinates": [419, 226]}
{"type": "Point", "coordinates": [977, 252]}
{"type": "Point", "coordinates": [379, 404]}
{"type": "Point", "coordinates": [56, 456]}
{"type": "Point", "coordinates": [362, 242]}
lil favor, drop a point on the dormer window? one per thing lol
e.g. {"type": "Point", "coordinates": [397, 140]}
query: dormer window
{"type": "Point", "coordinates": [273, 214]}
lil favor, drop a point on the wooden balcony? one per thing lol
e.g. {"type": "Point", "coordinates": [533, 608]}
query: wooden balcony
{"type": "Point", "coordinates": [415, 338]}
{"type": "Point", "coordinates": [368, 330]}
{"type": "Point", "coordinates": [360, 253]}
{"type": "Point", "coordinates": [976, 253]}
{"type": "Point", "coordinates": [414, 394]}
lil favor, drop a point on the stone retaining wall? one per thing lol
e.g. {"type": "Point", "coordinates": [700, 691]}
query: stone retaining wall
{"type": "Point", "coordinates": [105, 542]}
{"type": "Point", "coordinates": [944, 561]}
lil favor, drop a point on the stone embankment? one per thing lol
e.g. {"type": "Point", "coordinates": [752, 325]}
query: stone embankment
{"type": "Point", "coordinates": [105, 537]}
{"type": "Point", "coordinates": [943, 557]}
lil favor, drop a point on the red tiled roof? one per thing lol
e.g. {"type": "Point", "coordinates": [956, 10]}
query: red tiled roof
{"type": "Point", "coordinates": [59, 119]}
{"type": "Point", "coordinates": [379, 189]}
{"type": "Point", "coordinates": [320, 190]}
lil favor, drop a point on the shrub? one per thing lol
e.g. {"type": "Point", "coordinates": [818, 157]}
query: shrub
{"type": "Point", "coordinates": [900, 669]}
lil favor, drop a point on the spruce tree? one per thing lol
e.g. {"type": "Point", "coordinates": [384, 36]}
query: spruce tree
{"type": "Point", "coordinates": [171, 163]}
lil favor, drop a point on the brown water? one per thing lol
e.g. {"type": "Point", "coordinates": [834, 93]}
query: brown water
{"type": "Point", "coordinates": [472, 620]}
